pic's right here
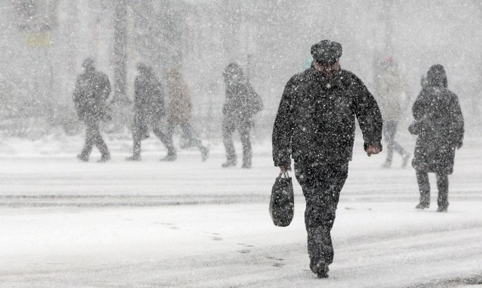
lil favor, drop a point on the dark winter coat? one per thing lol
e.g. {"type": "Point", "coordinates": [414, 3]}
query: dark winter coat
{"type": "Point", "coordinates": [439, 124]}
{"type": "Point", "coordinates": [316, 119]}
{"type": "Point", "coordinates": [148, 100]}
{"type": "Point", "coordinates": [90, 95]}
{"type": "Point", "coordinates": [242, 101]}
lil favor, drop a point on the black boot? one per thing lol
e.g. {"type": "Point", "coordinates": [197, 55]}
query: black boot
{"type": "Point", "coordinates": [104, 158]}
{"type": "Point", "coordinates": [134, 158]}
{"type": "Point", "coordinates": [320, 269]}
{"type": "Point", "coordinates": [171, 156]}
{"type": "Point", "coordinates": [83, 158]}
{"type": "Point", "coordinates": [229, 163]}
{"type": "Point", "coordinates": [422, 205]}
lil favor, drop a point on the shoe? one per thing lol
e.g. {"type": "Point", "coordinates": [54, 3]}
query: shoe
{"type": "Point", "coordinates": [386, 164]}
{"type": "Point", "coordinates": [204, 153]}
{"type": "Point", "coordinates": [405, 159]}
{"type": "Point", "coordinates": [320, 269]}
{"type": "Point", "coordinates": [229, 163]}
{"type": "Point", "coordinates": [133, 158]}
{"type": "Point", "coordinates": [169, 158]}
{"type": "Point", "coordinates": [246, 166]}
{"type": "Point", "coordinates": [83, 158]}
{"type": "Point", "coordinates": [422, 206]}
{"type": "Point", "coordinates": [442, 209]}
{"type": "Point", "coordinates": [104, 159]}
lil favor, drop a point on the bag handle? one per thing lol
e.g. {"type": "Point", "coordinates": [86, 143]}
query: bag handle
{"type": "Point", "coordinates": [285, 174]}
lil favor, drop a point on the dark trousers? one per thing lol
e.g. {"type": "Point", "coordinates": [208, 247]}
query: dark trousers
{"type": "Point", "coordinates": [141, 131]}
{"type": "Point", "coordinates": [93, 137]}
{"type": "Point", "coordinates": [188, 133]}
{"type": "Point", "coordinates": [389, 131]}
{"type": "Point", "coordinates": [321, 186]}
{"type": "Point", "coordinates": [228, 129]}
{"type": "Point", "coordinates": [424, 188]}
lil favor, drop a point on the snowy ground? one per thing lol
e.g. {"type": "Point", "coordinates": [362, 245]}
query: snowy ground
{"type": "Point", "coordinates": [194, 224]}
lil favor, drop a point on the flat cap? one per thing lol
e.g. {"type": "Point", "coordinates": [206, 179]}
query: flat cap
{"type": "Point", "coordinates": [326, 52]}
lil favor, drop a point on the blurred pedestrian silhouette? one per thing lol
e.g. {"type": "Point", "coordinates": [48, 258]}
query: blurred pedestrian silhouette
{"type": "Point", "coordinates": [180, 112]}
{"type": "Point", "coordinates": [241, 103]}
{"type": "Point", "coordinates": [91, 92]}
{"type": "Point", "coordinates": [392, 99]}
{"type": "Point", "coordinates": [148, 112]}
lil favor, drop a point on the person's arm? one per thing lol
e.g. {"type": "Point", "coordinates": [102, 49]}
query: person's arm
{"type": "Point", "coordinates": [369, 117]}
{"type": "Point", "coordinates": [457, 125]}
{"type": "Point", "coordinates": [106, 88]}
{"type": "Point", "coordinates": [283, 129]}
{"type": "Point", "coordinates": [77, 97]}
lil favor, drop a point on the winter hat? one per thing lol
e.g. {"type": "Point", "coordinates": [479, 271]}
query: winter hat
{"type": "Point", "coordinates": [326, 52]}
{"type": "Point", "coordinates": [89, 62]}
{"type": "Point", "coordinates": [436, 76]}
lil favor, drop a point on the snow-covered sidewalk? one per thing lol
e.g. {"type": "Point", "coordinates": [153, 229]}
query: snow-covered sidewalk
{"type": "Point", "coordinates": [377, 245]}
{"type": "Point", "coordinates": [195, 224]}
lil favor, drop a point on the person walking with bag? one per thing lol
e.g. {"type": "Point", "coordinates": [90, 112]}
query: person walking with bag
{"type": "Point", "coordinates": [242, 102]}
{"type": "Point", "coordinates": [439, 126]}
{"type": "Point", "coordinates": [315, 125]}
{"type": "Point", "coordinates": [91, 92]}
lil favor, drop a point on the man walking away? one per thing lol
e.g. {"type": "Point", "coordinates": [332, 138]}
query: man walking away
{"type": "Point", "coordinates": [148, 112]}
{"type": "Point", "coordinates": [90, 95]}
{"type": "Point", "coordinates": [242, 102]}
{"type": "Point", "coordinates": [315, 126]}
{"type": "Point", "coordinates": [439, 126]}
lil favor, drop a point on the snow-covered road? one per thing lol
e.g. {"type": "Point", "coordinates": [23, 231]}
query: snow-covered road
{"type": "Point", "coordinates": [194, 224]}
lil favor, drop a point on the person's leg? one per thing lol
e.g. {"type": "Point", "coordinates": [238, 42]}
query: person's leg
{"type": "Point", "coordinates": [246, 143]}
{"type": "Point", "coordinates": [136, 148]}
{"type": "Point", "coordinates": [190, 135]}
{"type": "Point", "coordinates": [443, 192]}
{"type": "Point", "coordinates": [424, 189]}
{"type": "Point", "coordinates": [166, 139]}
{"type": "Point", "coordinates": [100, 143]}
{"type": "Point", "coordinates": [321, 187]}
{"type": "Point", "coordinates": [396, 146]}
{"type": "Point", "coordinates": [389, 128]}
{"type": "Point", "coordinates": [89, 142]}
{"type": "Point", "coordinates": [228, 129]}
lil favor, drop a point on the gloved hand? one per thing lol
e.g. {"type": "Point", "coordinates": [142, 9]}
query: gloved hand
{"type": "Point", "coordinates": [459, 145]}
{"type": "Point", "coordinates": [414, 128]}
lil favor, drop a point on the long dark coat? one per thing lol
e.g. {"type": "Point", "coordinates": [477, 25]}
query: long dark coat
{"type": "Point", "coordinates": [92, 89]}
{"type": "Point", "coordinates": [439, 124]}
{"type": "Point", "coordinates": [315, 123]}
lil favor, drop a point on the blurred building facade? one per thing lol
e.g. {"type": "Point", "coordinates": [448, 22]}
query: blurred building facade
{"type": "Point", "coordinates": [45, 41]}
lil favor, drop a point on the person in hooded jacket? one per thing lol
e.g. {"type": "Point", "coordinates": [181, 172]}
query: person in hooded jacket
{"type": "Point", "coordinates": [180, 110]}
{"type": "Point", "coordinates": [148, 112]}
{"type": "Point", "coordinates": [241, 103]}
{"type": "Point", "coordinates": [91, 92]}
{"type": "Point", "coordinates": [315, 125]}
{"type": "Point", "coordinates": [439, 126]}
